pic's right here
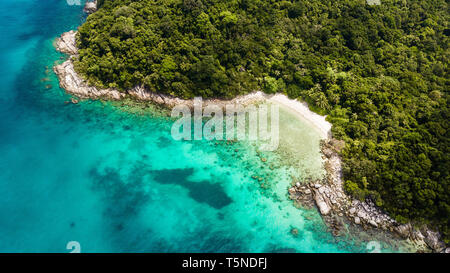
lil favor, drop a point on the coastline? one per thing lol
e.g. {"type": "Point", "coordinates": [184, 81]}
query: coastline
{"type": "Point", "coordinates": [328, 195]}
{"type": "Point", "coordinates": [74, 84]}
{"type": "Point", "coordinates": [330, 198]}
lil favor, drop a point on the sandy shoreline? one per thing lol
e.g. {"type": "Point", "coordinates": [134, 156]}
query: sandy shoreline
{"type": "Point", "coordinates": [301, 110]}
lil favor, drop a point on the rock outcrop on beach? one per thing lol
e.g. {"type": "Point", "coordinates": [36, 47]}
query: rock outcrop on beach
{"type": "Point", "coordinates": [90, 7]}
{"type": "Point", "coordinates": [67, 43]}
{"type": "Point", "coordinates": [70, 81]}
{"type": "Point", "coordinates": [74, 84]}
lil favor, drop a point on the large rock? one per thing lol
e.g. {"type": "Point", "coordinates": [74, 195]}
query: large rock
{"type": "Point", "coordinates": [432, 239]}
{"type": "Point", "coordinates": [327, 152]}
{"type": "Point", "coordinates": [90, 7]}
{"type": "Point", "coordinates": [404, 230]}
{"type": "Point", "coordinates": [362, 214]}
{"type": "Point", "coordinates": [143, 94]}
{"type": "Point", "coordinates": [322, 190]}
{"type": "Point", "coordinates": [67, 43]}
{"type": "Point", "coordinates": [321, 204]}
{"type": "Point", "coordinates": [373, 223]}
{"type": "Point", "coordinates": [72, 83]}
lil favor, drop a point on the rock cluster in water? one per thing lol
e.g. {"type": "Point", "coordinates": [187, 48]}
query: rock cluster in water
{"type": "Point", "coordinates": [66, 43]}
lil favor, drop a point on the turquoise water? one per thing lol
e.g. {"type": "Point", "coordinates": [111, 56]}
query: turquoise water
{"type": "Point", "coordinates": [111, 178]}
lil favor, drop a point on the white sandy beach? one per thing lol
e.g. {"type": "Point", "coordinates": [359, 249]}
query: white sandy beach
{"type": "Point", "coordinates": [301, 110]}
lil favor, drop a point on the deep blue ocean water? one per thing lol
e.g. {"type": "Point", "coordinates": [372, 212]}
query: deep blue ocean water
{"type": "Point", "coordinates": [110, 176]}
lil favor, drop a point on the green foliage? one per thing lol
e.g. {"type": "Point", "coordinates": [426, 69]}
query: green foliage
{"type": "Point", "coordinates": [380, 73]}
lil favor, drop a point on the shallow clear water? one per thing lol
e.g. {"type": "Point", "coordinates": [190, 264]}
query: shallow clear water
{"type": "Point", "coordinates": [112, 178]}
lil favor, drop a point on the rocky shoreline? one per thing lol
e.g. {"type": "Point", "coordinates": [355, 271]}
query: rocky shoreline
{"type": "Point", "coordinates": [72, 82]}
{"type": "Point", "coordinates": [332, 202]}
{"type": "Point", "coordinates": [328, 194]}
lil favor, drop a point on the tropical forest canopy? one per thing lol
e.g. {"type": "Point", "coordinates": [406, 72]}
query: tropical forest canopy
{"type": "Point", "coordinates": [380, 73]}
